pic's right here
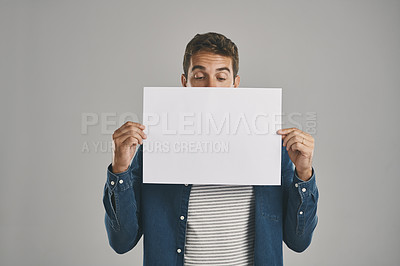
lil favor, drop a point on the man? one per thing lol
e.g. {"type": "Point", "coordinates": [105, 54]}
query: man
{"type": "Point", "coordinates": [210, 225]}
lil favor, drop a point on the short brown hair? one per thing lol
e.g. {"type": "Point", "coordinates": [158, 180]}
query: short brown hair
{"type": "Point", "coordinates": [211, 42]}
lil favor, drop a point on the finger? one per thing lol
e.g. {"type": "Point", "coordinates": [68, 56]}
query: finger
{"type": "Point", "coordinates": [130, 141]}
{"type": "Point", "coordinates": [303, 149]}
{"type": "Point", "coordinates": [138, 137]}
{"type": "Point", "coordinates": [296, 139]}
{"type": "Point", "coordinates": [303, 135]}
{"type": "Point", "coordinates": [285, 131]}
{"type": "Point", "coordinates": [128, 125]}
{"type": "Point", "coordinates": [120, 141]}
{"type": "Point", "coordinates": [132, 129]}
{"type": "Point", "coordinates": [289, 136]}
{"type": "Point", "coordinates": [135, 124]}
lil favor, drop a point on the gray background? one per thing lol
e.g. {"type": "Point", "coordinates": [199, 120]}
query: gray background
{"type": "Point", "coordinates": [61, 59]}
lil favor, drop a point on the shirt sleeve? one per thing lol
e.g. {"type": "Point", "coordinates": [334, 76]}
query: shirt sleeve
{"type": "Point", "coordinates": [121, 200]}
{"type": "Point", "coordinates": [300, 207]}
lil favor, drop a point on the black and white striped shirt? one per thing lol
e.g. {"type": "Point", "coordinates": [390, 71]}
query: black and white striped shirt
{"type": "Point", "coordinates": [220, 225]}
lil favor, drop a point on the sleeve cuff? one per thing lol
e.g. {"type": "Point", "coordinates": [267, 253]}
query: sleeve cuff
{"type": "Point", "coordinates": [119, 182]}
{"type": "Point", "coordinates": [309, 186]}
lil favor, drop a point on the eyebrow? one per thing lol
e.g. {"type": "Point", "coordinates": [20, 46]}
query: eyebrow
{"type": "Point", "coordinates": [203, 68]}
{"type": "Point", "coordinates": [198, 67]}
{"type": "Point", "coordinates": [224, 68]}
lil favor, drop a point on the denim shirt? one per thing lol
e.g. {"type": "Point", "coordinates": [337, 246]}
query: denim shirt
{"type": "Point", "coordinates": [158, 211]}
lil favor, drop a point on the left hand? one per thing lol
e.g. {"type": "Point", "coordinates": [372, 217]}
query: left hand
{"type": "Point", "coordinates": [300, 147]}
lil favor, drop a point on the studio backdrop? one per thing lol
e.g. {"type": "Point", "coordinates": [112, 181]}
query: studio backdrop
{"type": "Point", "coordinates": [73, 71]}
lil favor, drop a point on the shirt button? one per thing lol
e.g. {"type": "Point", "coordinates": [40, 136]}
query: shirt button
{"type": "Point", "coordinates": [121, 181]}
{"type": "Point", "coordinates": [301, 212]}
{"type": "Point", "coordinates": [182, 217]}
{"type": "Point", "coordinates": [296, 185]}
{"type": "Point", "coordinates": [112, 183]}
{"type": "Point", "coordinates": [186, 185]}
{"type": "Point", "coordinates": [304, 189]}
{"type": "Point", "coordinates": [179, 250]}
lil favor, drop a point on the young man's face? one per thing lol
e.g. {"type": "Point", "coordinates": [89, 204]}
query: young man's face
{"type": "Point", "coordinates": [210, 70]}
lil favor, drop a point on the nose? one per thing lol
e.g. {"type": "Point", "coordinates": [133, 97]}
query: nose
{"type": "Point", "coordinates": [212, 82]}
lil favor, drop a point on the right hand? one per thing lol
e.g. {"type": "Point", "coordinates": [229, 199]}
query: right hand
{"type": "Point", "coordinates": [126, 138]}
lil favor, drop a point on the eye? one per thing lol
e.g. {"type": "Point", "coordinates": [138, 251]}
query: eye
{"type": "Point", "coordinates": [199, 76]}
{"type": "Point", "coordinates": [221, 76]}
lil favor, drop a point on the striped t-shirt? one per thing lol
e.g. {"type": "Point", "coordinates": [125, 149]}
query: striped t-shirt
{"type": "Point", "coordinates": [220, 226]}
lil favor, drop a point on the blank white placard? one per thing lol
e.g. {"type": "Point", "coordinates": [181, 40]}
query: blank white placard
{"type": "Point", "coordinates": [212, 135]}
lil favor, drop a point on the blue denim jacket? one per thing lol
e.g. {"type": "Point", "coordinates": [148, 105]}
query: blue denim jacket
{"type": "Point", "coordinates": [286, 212]}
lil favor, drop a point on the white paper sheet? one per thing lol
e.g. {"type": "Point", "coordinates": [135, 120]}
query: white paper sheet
{"type": "Point", "coordinates": [212, 135]}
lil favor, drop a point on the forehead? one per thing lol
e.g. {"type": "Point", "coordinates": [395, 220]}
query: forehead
{"type": "Point", "coordinates": [210, 60]}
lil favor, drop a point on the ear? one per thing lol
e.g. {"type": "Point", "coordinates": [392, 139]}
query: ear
{"type": "Point", "coordinates": [183, 80]}
{"type": "Point", "coordinates": [237, 81]}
